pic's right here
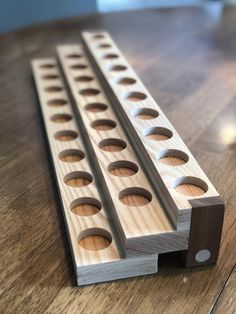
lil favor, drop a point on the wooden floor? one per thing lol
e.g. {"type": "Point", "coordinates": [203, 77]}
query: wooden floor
{"type": "Point", "coordinates": [187, 59]}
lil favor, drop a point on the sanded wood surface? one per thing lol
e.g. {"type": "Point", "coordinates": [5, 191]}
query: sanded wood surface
{"type": "Point", "coordinates": [151, 132]}
{"type": "Point", "coordinates": [95, 251]}
{"type": "Point", "coordinates": [139, 212]}
{"type": "Point", "coordinates": [186, 58]}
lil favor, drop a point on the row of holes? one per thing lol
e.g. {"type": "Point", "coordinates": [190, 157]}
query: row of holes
{"type": "Point", "coordinates": [189, 186]}
{"type": "Point", "coordinates": [130, 196]}
{"type": "Point", "coordinates": [90, 239]}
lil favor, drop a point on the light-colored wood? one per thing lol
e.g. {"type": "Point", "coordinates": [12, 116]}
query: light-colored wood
{"type": "Point", "coordinates": [93, 246]}
{"type": "Point", "coordinates": [141, 218]}
{"type": "Point", "coordinates": [151, 132]}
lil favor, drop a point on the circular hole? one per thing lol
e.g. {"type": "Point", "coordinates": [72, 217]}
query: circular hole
{"type": "Point", "coordinates": [78, 66]}
{"type": "Point", "coordinates": [172, 157]}
{"type": "Point", "coordinates": [78, 179]}
{"type": "Point", "coordinates": [118, 68]}
{"type": "Point", "coordinates": [61, 118]}
{"type": "Point", "coordinates": [112, 145]}
{"type": "Point", "coordinates": [110, 56]}
{"type": "Point", "coordinates": [53, 89]}
{"type": "Point", "coordinates": [123, 168]}
{"type": "Point", "coordinates": [135, 197]}
{"type": "Point", "coordinates": [145, 113]}
{"type": "Point", "coordinates": [95, 239]}
{"type": "Point", "coordinates": [103, 124]}
{"type": "Point", "coordinates": [74, 56]}
{"type": "Point", "coordinates": [158, 134]}
{"type": "Point", "coordinates": [126, 81]}
{"type": "Point", "coordinates": [190, 186]}
{"type": "Point", "coordinates": [50, 77]}
{"type": "Point", "coordinates": [83, 78]}
{"type": "Point", "coordinates": [96, 107]}
{"type": "Point", "coordinates": [89, 92]}
{"type": "Point", "coordinates": [135, 96]}
{"type": "Point", "coordinates": [98, 36]}
{"type": "Point", "coordinates": [85, 206]}
{"type": "Point", "coordinates": [71, 155]}
{"type": "Point", "coordinates": [65, 136]}
{"type": "Point", "coordinates": [104, 46]}
{"type": "Point", "coordinates": [47, 66]}
{"type": "Point", "coordinates": [57, 102]}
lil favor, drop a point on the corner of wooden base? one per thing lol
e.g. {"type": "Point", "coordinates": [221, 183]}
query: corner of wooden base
{"type": "Point", "coordinates": [205, 231]}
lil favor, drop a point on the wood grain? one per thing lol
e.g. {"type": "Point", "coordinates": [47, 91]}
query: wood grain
{"type": "Point", "coordinates": [92, 241]}
{"type": "Point", "coordinates": [140, 215]}
{"type": "Point", "coordinates": [188, 63]}
{"type": "Point", "coordinates": [150, 131]}
{"type": "Point", "coordinates": [227, 302]}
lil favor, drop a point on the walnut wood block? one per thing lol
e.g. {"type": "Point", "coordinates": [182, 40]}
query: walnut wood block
{"type": "Point", "coordinates": [153, 135]}
{"type": "Point", "coordinates": [205, 231]}
{"type": "Point", "coordinates": [95, 253]}
{"type": "Point", "coordinates": [141, 221]}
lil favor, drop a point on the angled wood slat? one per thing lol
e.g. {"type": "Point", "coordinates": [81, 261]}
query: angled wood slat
{"type": "Point", "coordinates": [169, 164]}
{"type": "Point", "coordinates": [141, 221]}
{"type": "Point", "coordinates": [95, 252]}
{"type": "Point", "coordinates": [188, 196]}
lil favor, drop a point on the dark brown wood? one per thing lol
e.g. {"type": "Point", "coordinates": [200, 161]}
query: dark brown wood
{"type": "Point", "coordinates": [187, 59]}
{"type": "Point", "coordinates": [205, 231]}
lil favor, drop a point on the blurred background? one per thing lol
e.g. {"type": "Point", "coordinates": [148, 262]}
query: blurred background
{"type": "Point", "coordinates": [16, 14]}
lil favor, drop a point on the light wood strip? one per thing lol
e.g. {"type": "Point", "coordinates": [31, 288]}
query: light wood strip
{"type": "Point", "coordinates": [141, 217]}
{"type": "Point", "coordinates": [95, 253]}
{"type": "Point", "coordinates": [150, 131]}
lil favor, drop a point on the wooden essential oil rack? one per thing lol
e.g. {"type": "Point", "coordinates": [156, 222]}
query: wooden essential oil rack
{"type": "Point", "coordinates": [130, 189]}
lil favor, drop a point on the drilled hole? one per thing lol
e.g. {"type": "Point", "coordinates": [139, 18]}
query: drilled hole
{"type": "Point", "coordinates": [103, 124]}
{"type": "Point", "coordinates": [47, 66]}
{"type": "Point", "coordinates": [98, 36]}
{"type": "Point", "coordinates": [50, 77]}
{"type": "Point", "coordinates": [126, 81]}
{"type": "Point", "coordinates": [61, 118]}
{"type": "Point", "coordinates": [53, 89]}
{"type": "Point", "coordinates": [190, 186]}
{"type": "Point", "coordinates": [71, 155]}
{"type": "Point", "coordinates": [118, 68]}
{"type": "Point", "coordinates": [158, 134]}
{"type": "Point", "coordinates": [135, 197]}
{"type": "Point", "coordinates": [112, 145]}
{"type": "Point", "coordinates": [172, 157]}
{"type": "Point", "coordinates": [96, 107]}
{"type": "Point", "coordinates": [123, 168]}
{"type": "Point", "coordinates": [145, 113]}
{"type": "Point", "coordinates": [78, 66]}
{"type": "Point", "coordinates": [105, 46]}
{"type": "Point", "coordinates": [89, 92]}
{"type": "Point", "coordinates": [85, 206]}
{"type": "Point", "coordinates": [83, 78]}
{"type": "Point", "coordinates": [57, 102]}
{"type": "Point", "coordinates": [95, 239]}
{"type": "Point", "coordinates": [74, 56]}
{"type": "Point", "coordinates": [65, 136]}
{"type": "Point", "coordinates": [135, 96]}
{"type": "Point", "coordinates": [110, 56]}
{"type": "Point", "coordinates": [78, 179]}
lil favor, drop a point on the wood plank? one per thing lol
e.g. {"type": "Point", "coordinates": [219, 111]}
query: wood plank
{"type": "Point", "coordinates": [153, 135]}
{"type": "Point", "coordinates": [94, 249]}
{"type": "Point", "coordinates": [227, 301]}
{"type": "Point", "coordinates": [142, 222]}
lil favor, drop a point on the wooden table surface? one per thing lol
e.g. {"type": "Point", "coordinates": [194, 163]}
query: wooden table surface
{"type": "Point", "coordinates": [187, 59]}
